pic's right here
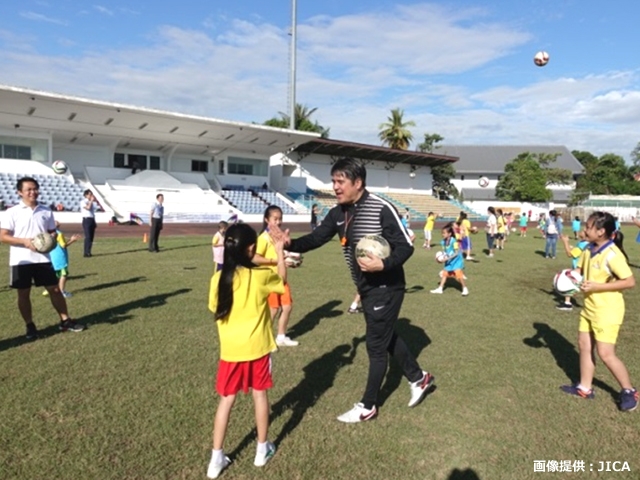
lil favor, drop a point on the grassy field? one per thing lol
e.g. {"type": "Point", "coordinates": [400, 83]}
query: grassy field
{"type": "Point", "coordinates": [132, 397]}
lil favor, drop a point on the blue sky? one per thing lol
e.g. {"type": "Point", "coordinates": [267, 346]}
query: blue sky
{"type": "Point", "coordinates": [460, 68]}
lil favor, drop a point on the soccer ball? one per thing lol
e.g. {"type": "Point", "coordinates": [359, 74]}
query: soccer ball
{"type": "Point", "coordinates": [44, 242]}
{"type": "Point", "coordinates": [513, 229]}
{"type": "Point", "coordinates": [474, 229]}
{"type": "Point", "coordinates": [59, 167]}
{"type": "Point", "coordinates": [292, 259]}
{"type": "Point", "coordinates": [441, 257]}
{"type": "Point", "coordinates": [483, 182]}
{"type": "Point", "coordinates": [541, 58]}
{"type": "Point", "coordinates": [376, 245]}
{"type": "Point", "coordinates": [567, 282]}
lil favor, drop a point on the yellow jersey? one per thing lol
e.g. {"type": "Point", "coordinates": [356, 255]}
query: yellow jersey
{"type": "Point", "coordinates": [500, 224]}
{"type": "Point", "coordinates": [431, 220]}
{"type": "Point", "coordinates": [465, 226]}
{"type": "Point", "coordinates": [246, 333]}
{"type": "Point", "coordinates": [602, 266]}
{"type": "Point", "coordinates": [265, 248]}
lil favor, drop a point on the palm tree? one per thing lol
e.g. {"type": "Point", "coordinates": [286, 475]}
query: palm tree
{"type": "Point", "coordinates": [302, 115]}
{"type": "Point", "coordinates": [395, 133]}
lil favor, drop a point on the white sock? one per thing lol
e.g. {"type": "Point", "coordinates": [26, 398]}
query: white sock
{"type": "Point", "coordinates": [262, 448]}
{"type": "Point", "coordinates": [583, 388]}
{"type": "Point", "coordinates": [354, 305]}
{"type": "Point", "coordinates": [280, 337]}
{"type": "Point", "coordinates": [217, 456]}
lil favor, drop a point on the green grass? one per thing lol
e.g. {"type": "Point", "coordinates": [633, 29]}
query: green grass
{"type": "Point", "coordinates": [132, 397]}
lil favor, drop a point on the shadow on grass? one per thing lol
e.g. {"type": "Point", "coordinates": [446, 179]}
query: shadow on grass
{"type": "Point", "coordinates": [540, 253]}
{"type": "Point", "coordinates": [559, 298]}
{"type": "Point", "coordinates": [319, 375]}
{"type": "Point", "coordinates": [414, 289]}
{"type": "Point", "coordinates": [119, 283]}
{"type": "Point", "coordinates": [564, 353]}
{"type": "Point", "coordinates": [119, 313]}
{"type": "Point", "coordinates": [416, 340]}
{"type": "Point", "coordinates": [79, 277]}
{"type": "Point", "coordinates": [111, 315]}
{"type": "Point", "coordinates": [466, 474]}
{"type": "Point", "coordinates": [312, 318]}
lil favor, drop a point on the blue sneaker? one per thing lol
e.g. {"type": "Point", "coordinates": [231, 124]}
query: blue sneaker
{"type": "Point", "coordinates": [578, 392]}
{"type": "Point", "coordinates": [628, 400]}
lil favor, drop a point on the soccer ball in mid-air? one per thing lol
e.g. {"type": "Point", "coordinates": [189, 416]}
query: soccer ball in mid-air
{"type": "Point", "coordinates": [44, 242]}
{"type": "Point", "coordinates": [376, 245]}
{"type": "Point", "coordinates": [441, 257]}
{"type": "Point", "coordinates": [483, 182]}
{"type": "Point", "coordinates": [567, 282]}
{"type": "Point", "coordinates": [59, 167]}
{"type": "Point", "coordinates": [541, 58]}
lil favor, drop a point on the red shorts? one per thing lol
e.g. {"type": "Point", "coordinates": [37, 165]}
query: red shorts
{"type": "Point", "coordinates": [457, 274]}
{"type": "Point", "coordinates": [236, 376]}
{"type": "Point", "coordinates": [276, 300]}
{"type": "Point", "coordinates": [523, 229]}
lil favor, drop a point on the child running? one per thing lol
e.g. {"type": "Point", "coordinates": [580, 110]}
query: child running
{"type": "Point", "coordinates": [266, 255]}
{"type": "Point", "coordinates": [523, 224]}
{"type": "Point", "coordinates": [574, 253]}
{"type": "Point", "coordinates": [238, 298]}
{"type": "Point", "coordinates": [217, 244]}
{"type": "Point", "coordinates": [606, 273]}
{"type": "Point", "coordinates": [60, 260]}
{"type": "Point", "coordinates": [454, 261]}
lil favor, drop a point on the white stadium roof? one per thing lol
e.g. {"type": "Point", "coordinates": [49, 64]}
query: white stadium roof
{"type": "Point", "coordinates": [82, 121]}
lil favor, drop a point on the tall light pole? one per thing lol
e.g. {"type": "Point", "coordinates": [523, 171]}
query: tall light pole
{"type": "Point", "coordinates": [292, 78]}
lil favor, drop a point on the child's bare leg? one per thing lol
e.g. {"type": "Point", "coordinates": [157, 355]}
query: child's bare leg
{"type": "Point", "coordinates": [62, 283]}
{"type": "Point", "coordinates": [283, 321]}
{"type": "Point", "coordinates": [587, 359]}
{"type": "Point", "coordinates": [607, 352]}
{"type": "Point", "coordinates": [221, 420]}
{"type": "Point", "coordinates": [261, 404]}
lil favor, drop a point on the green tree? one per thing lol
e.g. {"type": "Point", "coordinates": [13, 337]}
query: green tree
{"type": "Point", "coordinates": [395, 133]}
{"type": "Point", "coordinates": [524, 180]}
{"type": "Point", "coordinates": [302, 115]}
{"type": "Point", "coordinates": [441, 175]}
{"type": "Point", "coordinates": [635, 156]}
{"type": "Point", "coordinates": [609, 176]}
{"type": "Point", "coordinates": [430, 141]}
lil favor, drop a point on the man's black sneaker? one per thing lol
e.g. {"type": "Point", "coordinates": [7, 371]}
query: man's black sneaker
{"type": "Point", "coordinates": [32, 331]}
{"type": "Point", "coordinates": [69, 325]}
{"type": "Point", "coordinates": [355, 310]}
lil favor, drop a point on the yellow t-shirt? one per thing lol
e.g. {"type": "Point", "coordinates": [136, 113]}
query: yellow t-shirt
{"type": "Point", "coordinates": [246, 333]}
{"type": "Point", "coordinates": [431, 220]}
{"type": "Point", "coordinates": [465, 227]}
{"type": "Point", "coordinates": [500, 224]}
{"type": "Point", "coordinates": [265, 248]}
{"type": "Point", "coordinates": [606, 266]}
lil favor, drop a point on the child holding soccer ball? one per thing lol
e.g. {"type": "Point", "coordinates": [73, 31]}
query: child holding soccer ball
{"type": "Point", "coordinates": [60, 259]}
{"type": "Point", "coordinates": [573, 253]}
{"type": "Point", "coordinates": [238, 298]}
{"type": "Point", "coordinates": [453, 261]}
{"type": "Point", "coordinates": [266, 255]}
{"type": "Point", "coordinates": [606, 274]}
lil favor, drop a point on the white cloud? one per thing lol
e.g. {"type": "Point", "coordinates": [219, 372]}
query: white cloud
{"type": "Point", "coordinates": [103, 10]}
{"type": "Point", "coordinates": [38, 17]}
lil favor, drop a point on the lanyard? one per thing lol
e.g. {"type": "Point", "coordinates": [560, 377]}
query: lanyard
{"type": "Point", "coordinates": [347, 221]}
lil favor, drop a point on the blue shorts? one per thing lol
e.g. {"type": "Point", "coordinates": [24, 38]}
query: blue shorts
{"type": "Point", "coordinates": [466, 243]}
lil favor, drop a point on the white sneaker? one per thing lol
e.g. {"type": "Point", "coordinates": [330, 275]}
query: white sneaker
{"type": "Point", "coordinates": [465, 292]}
{"type": "Point", "coordinates": [358, 414]}
{"type": "Point", "coordinates": [66, 294]}
{"type": "Point", "coordinates": [216, 468]}
{"type": "Point", "coordinates": [45, 293]}
{"type": "Point", "coordinates": [437, 290]}
{"type": "Point", "coordinates": [262, 458]}
{"type": "Point", "coordinates": [286, 342]}
{"type": "Point", "coordinates": [420, 388]}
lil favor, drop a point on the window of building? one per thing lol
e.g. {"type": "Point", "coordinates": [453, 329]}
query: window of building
{"type": "Point", "coordinates": [199, 166]}
{"type": "Point", "coordinates": [247, 166]}
{"type": "Point", "coordinates": [221, 167]}
{"type": "Point", "coordinates": [19, 152]}
{"type": "Point", "coordinates": [154, 163]}
{"type": "Point", "coordinates": [461, 177]}
{"type": "Point", "coordinates": [119, 160]}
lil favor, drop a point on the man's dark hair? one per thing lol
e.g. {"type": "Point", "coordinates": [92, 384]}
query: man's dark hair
{"type": "Point", "coordinates": [351, 168]}
{"type": "Point", "coordinates": [24, 180]}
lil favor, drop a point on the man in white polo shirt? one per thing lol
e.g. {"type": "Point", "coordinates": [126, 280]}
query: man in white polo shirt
{"type": "Point", "coordinates": [21, 223]}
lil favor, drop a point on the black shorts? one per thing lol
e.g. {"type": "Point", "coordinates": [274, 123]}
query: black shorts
{"type": "Point", "coordinates": [38, 274]}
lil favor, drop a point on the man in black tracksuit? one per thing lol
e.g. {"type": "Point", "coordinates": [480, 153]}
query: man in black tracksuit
{"type": "Point", "coordinates": [380, 282]}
